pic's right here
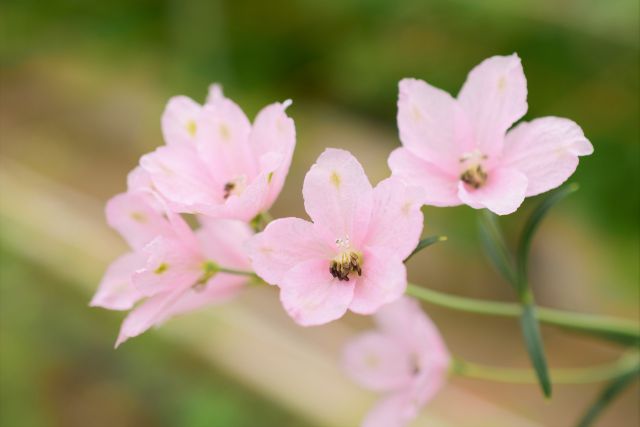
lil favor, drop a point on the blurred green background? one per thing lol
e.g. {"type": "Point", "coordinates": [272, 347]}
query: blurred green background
{"type": "Point", "coordinates": [83, 85]}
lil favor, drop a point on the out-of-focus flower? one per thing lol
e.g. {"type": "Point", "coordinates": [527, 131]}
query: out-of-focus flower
{"type": "Point", "coordinates": [216, 163]}
{"type": "Point", "coordinates": [405, 358]}
{"type": "Point", "coordinates": [459, 150]}
{"type": "Point", "coordinates": [351, 255]}
{"type": "Point", "coordinates": [171, 268]}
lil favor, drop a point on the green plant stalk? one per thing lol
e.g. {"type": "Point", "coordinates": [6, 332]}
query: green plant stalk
{"type": "Point", "coordinates": [629, 362]}
{"type": "Point", "coordinates": [625, 330]}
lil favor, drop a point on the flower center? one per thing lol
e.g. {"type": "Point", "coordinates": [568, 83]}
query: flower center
{"type": "Point", "coordinates": [473, 173]}
{"type": "Point", "coordinates": [474, 176]}
{"type": "Point", "coordinates": [235, 186]}
{"type": "Point", "coordinates": [348, 261]}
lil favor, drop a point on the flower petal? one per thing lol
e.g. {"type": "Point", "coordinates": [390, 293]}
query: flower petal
{"type": "Point", "coordinates": [170, 264]}
{"type": "Point", "coordinates": [396, 220]}
{"type": "Point", "coordinates": [494, 97]}
{"type": "Point", "coordinates": [223, 141]}
{"type": "Point", "coordinates": [503, 193]}
{"type": "Point", "coordinates": [432, 125]}
{"type": "Point", "coordinates": [149, 313]}
{"type": "Point", "coordinates": [396, 410]}
{"type": "Point", "coordinates": [218, 290]}
{"type": "Point", "coordinates": [378, 362]}
{"type": "Point", "coordinates": [384, 279]}
{"type": "Point", "coordinates": [133, 216]}
{"type": "Point", "coordinates": [338, 195]}
{"type": "Point", "coordinates": [312, 296]}
{"type": "Point", "coordinates": [273, 136]}
{"type": "Point", "coordinates": [282, 245]}
{"type": "Point", "coordinates": [179, 120]}
{"type": "Point", "coordinates": [546, 150]}
{"type": "Point", "coordinates": [116, 292]}
{"type": "Point", "coordinates": [224, 241]}
{"type": "Point", "coordinates": [182, 179]}
{"type": "Point", "coordinates": [440, 188]}
{"type": "Point", "coordinates": [406, 322]}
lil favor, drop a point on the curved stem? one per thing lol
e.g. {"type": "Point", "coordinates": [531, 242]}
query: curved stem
{"type": "Point", "coordinates": [603, 325]}
{"type": "Point", "coordinates": [627, 363]}
{"type": "Point", "coordinates": [237, 272]}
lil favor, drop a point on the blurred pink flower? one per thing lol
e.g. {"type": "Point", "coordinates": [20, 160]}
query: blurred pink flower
{"type": "Point", "coordinates": [405, 358]}
{"type": "Point", "coordinates": [216, 163]}
{"type": "Point", "coordinates": [171, 269]}
{"type": "Point", "coordinates": [459, 150]}
{"type": "Point", "coordinates": [351, 255]}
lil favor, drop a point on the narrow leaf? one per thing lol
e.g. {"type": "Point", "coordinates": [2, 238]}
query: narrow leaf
{"type": "Point", "coordinates": [608, 394]}
{"type": "Point", "coordinates": [534, 221]}
{"type": "Point", "coordinates": [495, 247]}
{"type": "Point", "coordinates": [533, 342]}
{"type": "Point", "coordinates": [427, 241]}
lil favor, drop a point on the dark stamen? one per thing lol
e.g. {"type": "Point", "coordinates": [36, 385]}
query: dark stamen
{"type": "Point", "coordinates": [228, 188]}
{"type": "Point", "coordinates": [475, 177]}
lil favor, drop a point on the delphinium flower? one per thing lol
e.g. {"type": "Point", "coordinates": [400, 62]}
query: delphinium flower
{"type": "Point", "coordinates": [171, 269]}
{"type": "Point", "coordinates": [351, 255]}
{"type": "Point", "coordinates": [215, 162]}
{"type": "Point", "coordinates": [405, 358]}
{"type": "Point", "coordinates": [461, 150]}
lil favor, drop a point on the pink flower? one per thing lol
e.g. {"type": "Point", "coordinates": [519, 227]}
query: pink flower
{"type": "Point", "coordinates": [459, 150]}
{"type": "Point", "coordinates": [171, 269]}
{"type": "Point", "coordinates": [216, 163]}
{"type": "Point", "coordinates": [405, 358]}
{"type": "Point", "coordinates": [351, 255]}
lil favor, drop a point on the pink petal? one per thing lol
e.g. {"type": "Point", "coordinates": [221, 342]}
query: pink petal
{"type": "Point", "coordinates": [223, 142]}
{"type": "Point", "coordinates": [136, 219]}
{"type": "Point", "coordinates": [396, 220]}
{"type": "Point", "coordinates": [139, 180]}
{"type": "Point", "coordinates": [395, 410]}
{"type": "Point", "coordinates": [116, 292]}
{"type": "Point", "coordinates": [284, 244]}
{"type": "Point", "coordinates": [215, 93]}
{"type": "Point", "coordinates": [170, 264]}
{"type": "Point", "coordinates": [494, 97]}
{"type": "Point", "coordinates": [378, 362]}
{"type": "Point", "coordinates": [179, 120]}
{"type": "Point", "coordinates": [384, 279]}
{"type": "Point", "coordinates": [274, 135]}
{"type": "Point", "coordinates": [432, 124]}
{"type": "Point", "coordinates": [248, 203]}
{"type": "Point", "coordinates": [440, 188]}
{"type": "Point", "coordinates": [151, 312]}
{"type": "Point", "coordinates": [503, 192]}
{"type": "Point", "coordinates": [406, 322]}
{"type": "Point", "coordinates": [224, 241]}
{"type": "Point", "coordinates": [182, 179]}
{"type": "Point", "coordinates": [546, 150]}
{"type": "Point", "coordinates": [312, 296]}
{"type": "Point", "coordinates": [338, 196]}
{"type": "Point", "coordinates": [218, 290]}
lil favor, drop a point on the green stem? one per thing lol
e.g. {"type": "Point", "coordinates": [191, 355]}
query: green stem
{"type": "Point", "coordinates": [627, 363]}
{"type": "Point", "coordinates": [604, 325]}
{"type": "Point", "coordinates": [237, 272]}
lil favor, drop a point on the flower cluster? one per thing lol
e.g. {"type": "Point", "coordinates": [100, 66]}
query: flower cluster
{"type": "Point", "coordinates": [227, 172]}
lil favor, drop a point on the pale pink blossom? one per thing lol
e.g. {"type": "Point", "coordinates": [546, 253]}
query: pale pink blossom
{"type": "Point", "coordinates": [216, 162]}
{"type": "Point", "coordinates": [351, 255]}
{"type": "Point", "coordinates": [462, 151]}
{"type": "Point", "coordinates": [405, 358]}
{"type": "Point", "coordinates": [171, 268]}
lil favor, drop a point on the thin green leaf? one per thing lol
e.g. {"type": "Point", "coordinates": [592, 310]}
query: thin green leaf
{"type": "Point", "coordinates": [534, 221]}
{"type": "Point", "coordinates": [495, 247]}
{"type": "Point", "coordinates": [535, 348]}
{"type": "Point", "coordinates": [608, 394]}
{"type": "Point", "coordinates": [427, 241]}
